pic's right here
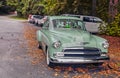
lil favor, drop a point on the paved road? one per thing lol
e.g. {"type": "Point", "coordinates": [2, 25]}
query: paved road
{"type": "Point", "coordinates": [14, 62]}
{"type": "Point", "coordinates": [14, 59]}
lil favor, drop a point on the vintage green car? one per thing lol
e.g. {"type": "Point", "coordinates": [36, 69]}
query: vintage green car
{"type": "Point", "coordinates": [65, 40]}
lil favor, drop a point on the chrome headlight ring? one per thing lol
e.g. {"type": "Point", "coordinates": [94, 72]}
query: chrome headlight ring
{"type": "Point", "coordinates": [57, 44]}
{"type": "Point", "coordinates": [105, 44]}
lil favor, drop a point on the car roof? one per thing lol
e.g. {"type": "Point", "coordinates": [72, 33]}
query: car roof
{"type": "Point", "coordinates": [63, 17]}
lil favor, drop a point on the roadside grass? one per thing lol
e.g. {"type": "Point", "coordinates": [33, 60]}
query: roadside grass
{"type": "Point", "coordinates": [18, 18]}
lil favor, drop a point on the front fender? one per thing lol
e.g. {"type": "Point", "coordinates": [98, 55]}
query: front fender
{"type": "Point", "coordinates": [39, 35]}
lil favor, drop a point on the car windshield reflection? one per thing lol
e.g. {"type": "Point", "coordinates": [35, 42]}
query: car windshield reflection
{"type": "Point", "coordinates": [67, 23]}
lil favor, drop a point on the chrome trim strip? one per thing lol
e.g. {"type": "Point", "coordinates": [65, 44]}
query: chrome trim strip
{"type": "Point", "coordinates": [76, 61]}
{"type": "Point", "coordinates": [80, 47]}
{"type": "Point", "coordinates": [80, 53]}
{"type": "Point", "coordinates": [73, 48]}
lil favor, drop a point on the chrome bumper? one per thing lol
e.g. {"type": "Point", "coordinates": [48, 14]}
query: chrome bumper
{"type": "Point", "coordinates": [77, 60]}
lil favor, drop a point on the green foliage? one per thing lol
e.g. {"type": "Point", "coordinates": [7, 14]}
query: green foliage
{"type": "Point", "coordinates": [4, 9]}
{"type": "Point", "coordinates": [103, 28]}
{"type": "Point", "coordinates": [57, 7]}
{"type": "Point", "coordinates": [118, 7]}
{"type": "Point", "coordinates": [102, 9]}
{"type": "Point", "coordinates": [112, 29]}
{"type": "Point", "coordinates": [26, 7]}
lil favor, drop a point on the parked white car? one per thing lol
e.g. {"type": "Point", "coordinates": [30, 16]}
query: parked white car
{"type": "Point", "coordinates": [31, 18]}
{"type": "Point", "coordinates": [92, 23]}
{"type": "Point", "coordinates": [41, 21]}
{"type": "Point", "coordinates": [39, 17]}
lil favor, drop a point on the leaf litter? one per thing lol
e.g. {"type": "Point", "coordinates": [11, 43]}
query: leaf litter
{"type": "Point", "coordinates": [108, 69]}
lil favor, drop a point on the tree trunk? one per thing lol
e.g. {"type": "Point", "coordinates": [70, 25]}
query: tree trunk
{"type": "Point", "coordinates": [94, 7]}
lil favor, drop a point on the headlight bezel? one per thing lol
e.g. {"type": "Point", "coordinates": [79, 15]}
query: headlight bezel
{"type": "Point", "coordinates": [105, 44]}
{"type": "Point", "coordinates": [56, 44]}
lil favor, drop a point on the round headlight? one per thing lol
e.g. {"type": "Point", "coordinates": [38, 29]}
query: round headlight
{"type": "Point", "coordinates": [57, 44]}
{"type": "Point", "coordinates": [105, 44]}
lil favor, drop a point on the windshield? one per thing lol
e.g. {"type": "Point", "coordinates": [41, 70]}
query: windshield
{"type": "Point", "coordinates": [68, 23]}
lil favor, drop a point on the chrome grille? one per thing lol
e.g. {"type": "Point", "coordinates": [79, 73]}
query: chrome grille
{"type": "Point", "coordinates": [81, 52]}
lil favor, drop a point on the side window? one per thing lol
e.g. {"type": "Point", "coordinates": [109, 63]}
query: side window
{"type": "Point", "coordinates": [87, 19]}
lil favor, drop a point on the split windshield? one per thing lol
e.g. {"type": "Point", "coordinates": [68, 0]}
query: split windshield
{"type": "Point", "coordinates": [68, 23]}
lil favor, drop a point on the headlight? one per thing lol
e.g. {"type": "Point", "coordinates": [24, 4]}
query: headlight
{"type": "Point", "coordinates": [57, 44]}
{"type": "Point", "coordinates": [58, 54]}
{"type": "Point", "coordinates": [105, 44]}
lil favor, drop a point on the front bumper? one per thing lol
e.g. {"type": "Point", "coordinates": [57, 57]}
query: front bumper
{"type": "Point", "coordinates": [79, 60]}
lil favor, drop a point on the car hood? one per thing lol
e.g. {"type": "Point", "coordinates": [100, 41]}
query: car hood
{"type": "Point", "coordinates": [71, 35]}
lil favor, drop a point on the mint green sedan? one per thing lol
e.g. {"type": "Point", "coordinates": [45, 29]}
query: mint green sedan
{"type": "Point", "coordinates": [65, 40]}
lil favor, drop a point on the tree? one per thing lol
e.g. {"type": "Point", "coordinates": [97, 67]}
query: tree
{"type": "Point", "coordinates": [56, 7]}
{"type": "Point", "coordinates": [3, 7]}
{"type": "Point", "coordinates": [26, 7]}
{"type": "Point", "coordinates": [102, 9]}
{"type": "Point", "coordinates": [113, 29]}
{"type": "Point", "coordinates": [94, 7]}
{"type": "Point", "coordinates": [98, 8]}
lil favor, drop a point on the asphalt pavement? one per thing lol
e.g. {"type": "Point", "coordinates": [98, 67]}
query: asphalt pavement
{"type": "Point", "coordinates": [14, 60]}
